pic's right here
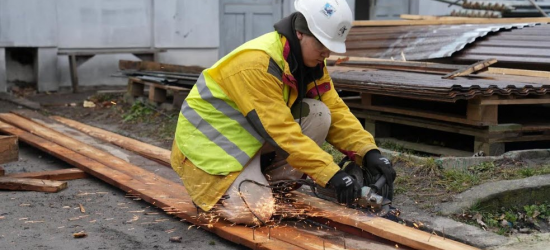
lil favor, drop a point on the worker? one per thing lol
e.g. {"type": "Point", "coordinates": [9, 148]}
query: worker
{"type": "Point", "coordinates": [261, 113]}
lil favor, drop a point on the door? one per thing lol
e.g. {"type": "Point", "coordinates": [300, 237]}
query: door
{"type": "Point", "coordinates": [243, 20]}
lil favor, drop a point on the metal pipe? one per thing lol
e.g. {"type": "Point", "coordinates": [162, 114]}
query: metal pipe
{"type": "Point", "coordinates": [538, 8]}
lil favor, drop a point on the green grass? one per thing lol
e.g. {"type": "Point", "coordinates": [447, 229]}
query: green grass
{"type": "Point", "coordinates": [336, 155]}
{"type": "Point", "coordinates": [138, 112]}
{"type": "Point", "coordinates": [502, 221]}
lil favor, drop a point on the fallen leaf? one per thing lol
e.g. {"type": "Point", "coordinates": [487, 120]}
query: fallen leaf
{"type": "Point", "coordinates": [82, 210]}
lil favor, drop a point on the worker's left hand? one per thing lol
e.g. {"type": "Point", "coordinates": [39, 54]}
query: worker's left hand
{"type": "Point", "coordinates": [375, 161]}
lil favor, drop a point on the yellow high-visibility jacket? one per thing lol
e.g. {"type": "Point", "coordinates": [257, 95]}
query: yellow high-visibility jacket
{"type": "Point", "coordinates": [244, 101]}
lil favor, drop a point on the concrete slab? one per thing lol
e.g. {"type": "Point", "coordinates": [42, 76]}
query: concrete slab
{"type": "Point", "coordinates": [451, 229]}
{"type": "Point", "coordinates": [501, 193]}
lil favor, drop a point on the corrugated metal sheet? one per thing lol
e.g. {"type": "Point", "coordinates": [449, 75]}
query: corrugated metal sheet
{"type": "Point", "coordinates": [422, 42]}
{"type": "Point", "coordinates": [530, 45]}
{"type": "Point", "coordinates": [431, 87]}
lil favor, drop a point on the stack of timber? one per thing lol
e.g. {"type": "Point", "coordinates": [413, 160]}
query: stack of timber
{"type": "Point", "coordinates": [352, 229]}
{"type": "Point", "coordinates": [160, 83]}
{"type": "Point", "coordinates": [447, 109]}
{"type": "Point", "coordinates": [41, 182]}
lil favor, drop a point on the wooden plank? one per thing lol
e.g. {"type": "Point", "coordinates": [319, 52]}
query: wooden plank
{"type": "Point", "coordinates": [9, 149]}
{"type": "Point", "coordinates": [514, 100]}
{"type": "Point", "coordinates": [426, 17]}
{"type": "Point", "coordinates": [55, 175]}
{"type": "Point", "coordinates": [136, 87]}
{"type": "Point", "coordinates": [24, 184]}
{"type": "Point", "coordinates": [378, 226]}
{"type": "Point", "coordinates": [157, 94]}
{"type": "Point", "coordinates": [155, 66]}
{"type": "Point", "coordinates": [452, 21]}
{"type": "Point", "coordinates": [427, 148]}
{"type": "Point", "coordinates": [73, 70]}
{"type": "Point", "coordinates": [392, 237]}
{"type": "Point", "coordinates": [471, 68]}
{"type": "Point", "coordinates": [430, 115]}
{"type": "Point", "coordinates": [91, 52]}
{"type": "Point", "coordinates": [484, 114]}
{"type": "Point", "coordinates": [423, 67]}
{"type": "Point", "coordinates": [171, 197]}
{"type": "Point", "coordinates": [422, 123]}
{"type": "Point", "coordinates": [151, 152]}
{"type": "Point", "coordinates": [518, 72]}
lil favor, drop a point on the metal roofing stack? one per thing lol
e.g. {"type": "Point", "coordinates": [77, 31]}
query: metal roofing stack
{"type": "Point", "coordinates": [431, 87]}
{"type": "Point", "coordinates": [436, 41]}
{"type": "Point", "coordinates": [528, 45]}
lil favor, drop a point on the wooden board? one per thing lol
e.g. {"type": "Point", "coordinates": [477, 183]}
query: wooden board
{"type": "Point", "coordinates": [471, 68]}
{"type": "Point", "coordinates": [425, 17]}
{"type": "Point", "coordinates": [161, 187]}
{"type": "Point", "coordinates": [518, 72]}
{"type": "Point", "coordinates": [154, 66]}
{"type": "Point", "coordinates": [404, 239]}
{"type": "Point", "coordinates": [24, 184]}
{"type": "Point", "coordinates": [149, 151]}
{"type": "Point", "coordinates": [56, 175]}
{"type": "Point", "coordinates": [376, 225]}
{"type": "Point", "coordinates": [9, 149]}
{"type": "Point", "coordinates": [451, 21]}
{"type": "Point", "coordinates": [171, 197]}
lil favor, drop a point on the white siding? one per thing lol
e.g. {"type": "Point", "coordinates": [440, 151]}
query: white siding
{"type": "Point", "coordinates": [104, 23]}
{"type": "Point", "coordinates": [28, 23]}
{"type": "Point", "coordinates": [187, 24]}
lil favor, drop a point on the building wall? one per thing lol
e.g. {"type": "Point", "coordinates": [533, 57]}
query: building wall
{"type": "Point", "coordinates": [435, 8]}
{"type": "Point", "coordinates": [179, 26]}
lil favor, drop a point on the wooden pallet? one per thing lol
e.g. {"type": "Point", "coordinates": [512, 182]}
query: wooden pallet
{"type": "Point", "coordinates": [492, 140]}
{"type": "Point", "coordinates": [479, 111]}
{"type": "Point", "coordinates": [157, 93]}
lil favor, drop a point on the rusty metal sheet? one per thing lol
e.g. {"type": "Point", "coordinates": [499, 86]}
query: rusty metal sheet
{"type": "Point", "coordinates": [516, 46]}
{"type": "Point", "coordinates": [426, 42]}
{"type": "Point", "coordinates": [431, 87]}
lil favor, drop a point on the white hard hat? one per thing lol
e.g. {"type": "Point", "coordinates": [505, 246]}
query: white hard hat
{"type": "Point", "coordinates": [328, 20]}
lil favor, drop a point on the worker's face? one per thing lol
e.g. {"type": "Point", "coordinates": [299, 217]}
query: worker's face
{"type": "Point", "coordinates": [313, 51]}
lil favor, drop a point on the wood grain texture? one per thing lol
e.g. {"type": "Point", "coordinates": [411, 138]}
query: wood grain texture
{"type": "Point", "coordinates": [25, 184]}
{"type": "Point", "coordinates": [55, 175]}
{"type": "Point", "coordinates": [9, 149]}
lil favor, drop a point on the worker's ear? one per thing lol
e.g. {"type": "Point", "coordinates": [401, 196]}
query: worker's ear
{"type": "Point", "coordinates": [300, 35]}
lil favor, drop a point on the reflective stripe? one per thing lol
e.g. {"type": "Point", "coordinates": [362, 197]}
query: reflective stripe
{"type": "Point", "coordinates": [214, 135]}
{"type": "Point", "coordinates": [225, 108]}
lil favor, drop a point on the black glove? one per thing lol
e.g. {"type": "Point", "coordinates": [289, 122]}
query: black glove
{"type": "Point", "coordinates": [347, 188]}
{"type": "Point", "coordinates": [374, 160]}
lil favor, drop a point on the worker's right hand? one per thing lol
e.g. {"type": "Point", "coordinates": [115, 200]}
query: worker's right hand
{"type": "Point", "coordinates": [347, 188]}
